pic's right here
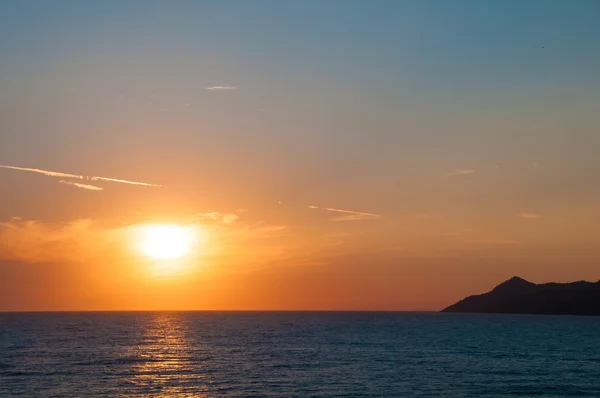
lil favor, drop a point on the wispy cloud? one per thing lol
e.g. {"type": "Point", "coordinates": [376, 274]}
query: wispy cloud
{"type": "Point", "coordinates": [93, 241]}
{"type": "Point", "coordinates": [84, 186]}
{"type": "Point", "coordinates": [230, 218]}
{"type": "Point", "coordinates": [76, 176]}
{"type": "Point", "coordinates": [225, 218]}
{"type": "Point", "coordinates": [44, 172]}
{"type": "Point", "coordinates": [353, 215]}
{"type": "Point", "coordinates": [121, 181]}
{"type": "Point", "coordinates": [212, 215]}
{"type": "Point", "coordinates": [216, 88]}
{"type": "Point", "coordinates": [530, 215]}
{"type": "Point", "coordinates": [36, 242]}
{"type": "Point", "coordinates": [460, 172]}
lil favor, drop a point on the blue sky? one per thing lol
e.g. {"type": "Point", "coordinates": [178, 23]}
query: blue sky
{"type": "Point", "coordinates": [340, 86]}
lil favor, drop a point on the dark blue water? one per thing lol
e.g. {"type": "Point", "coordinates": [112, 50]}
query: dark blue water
{"type": "Point", "coordinates": [298, 354]}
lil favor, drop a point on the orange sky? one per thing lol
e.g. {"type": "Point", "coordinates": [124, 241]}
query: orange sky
{"type": "Point", "coordinates": [237, 262]}
{"type": "Point", "coordinates": [360, 160]}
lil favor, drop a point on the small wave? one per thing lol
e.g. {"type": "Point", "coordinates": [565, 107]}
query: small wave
{"type": "Point", "coordinates": [131, 360]}
{"type": "Point", "coordinates": [4, 365]}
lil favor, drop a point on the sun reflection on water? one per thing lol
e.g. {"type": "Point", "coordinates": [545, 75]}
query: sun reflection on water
{"type": "Point", "coordinates": [166, 365]}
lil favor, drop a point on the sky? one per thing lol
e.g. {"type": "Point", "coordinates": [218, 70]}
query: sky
{"type": "Point", "coordinates": [351, 155]}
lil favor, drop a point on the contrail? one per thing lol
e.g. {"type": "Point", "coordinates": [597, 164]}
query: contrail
{"type": "Point", "coordinates": [460, 173]}
{"type": "Point", "coordinates": [530, 215]}
{"type": "Point", "coordinates": [84, 186]}
{"type": "Point", "coordinates": [44, 172]}
{"type": "Point", "coordinates": [79, 177]}
{"type": "Point", "coordinates": [222, 88]}
{"type": "Point", "coordinates": [123, 181]}
{"type": "Point", "coordinates": [346, 211]}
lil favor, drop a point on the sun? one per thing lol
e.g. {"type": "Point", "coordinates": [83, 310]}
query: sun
{"type": "Point", "coordinates": [164, 241]}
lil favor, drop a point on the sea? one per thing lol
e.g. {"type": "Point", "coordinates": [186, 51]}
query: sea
{"type": "Point", "coordinates": [298, 354]}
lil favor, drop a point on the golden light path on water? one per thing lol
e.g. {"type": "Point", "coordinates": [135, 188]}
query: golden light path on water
{"type": "Point", "coordinates": [168, 361]}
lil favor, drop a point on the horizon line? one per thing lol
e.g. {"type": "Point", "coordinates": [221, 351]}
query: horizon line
{"type": "Point", "coordinates": [105, 311]}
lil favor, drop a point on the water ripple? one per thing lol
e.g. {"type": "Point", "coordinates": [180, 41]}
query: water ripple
{"type": "Point", "coordinates": [297, 354]}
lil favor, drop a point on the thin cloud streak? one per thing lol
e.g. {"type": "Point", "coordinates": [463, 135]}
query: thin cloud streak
{"type": "Point", "coordinates": [44, 172]}
{"type": "Point", "coordinates": [122, 181]}
{"type": "Point", "coordinates": [225, 218]}
{"type": "Point", "coordinates": [354, 215]}
{"type": "Point", "coordinates": [460, 173]}
{"type": "Point", "coordinates": [216, 88]}
{"type": "Point", "coordinates": [84, 186]}
{"type": "Point", "coordinates": [79, 177]}
{"type": "Point", "coordinates": [530, 215]}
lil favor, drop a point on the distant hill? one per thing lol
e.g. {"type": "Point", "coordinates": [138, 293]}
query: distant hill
{"type": "Point", "coordinates": [518, 296]}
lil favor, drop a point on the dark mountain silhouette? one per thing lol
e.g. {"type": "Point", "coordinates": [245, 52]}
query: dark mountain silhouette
{"type": "Point", "coordinates": [518, 296]}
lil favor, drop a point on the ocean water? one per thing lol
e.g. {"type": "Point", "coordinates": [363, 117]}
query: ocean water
{"type": "Point", "coordinates": [304, 354]}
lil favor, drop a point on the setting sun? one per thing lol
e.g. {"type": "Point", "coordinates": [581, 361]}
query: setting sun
{"type": "Point", "coordinates": [165, 241]}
